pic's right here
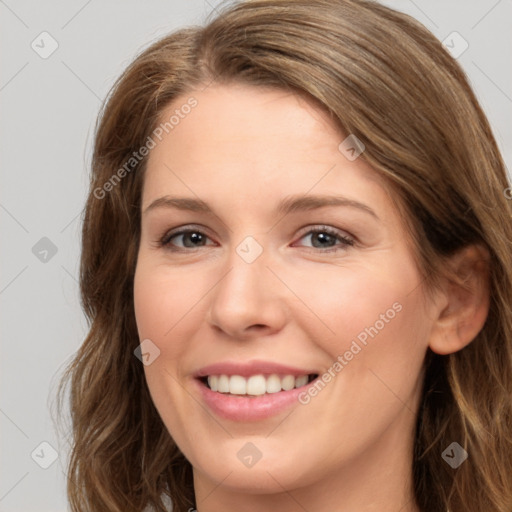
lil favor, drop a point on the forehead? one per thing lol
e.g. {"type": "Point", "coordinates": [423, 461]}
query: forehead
{"type": "Point", "coordinates": [252, 141]}
{"type": "Point", "coordinates": [243, 115]}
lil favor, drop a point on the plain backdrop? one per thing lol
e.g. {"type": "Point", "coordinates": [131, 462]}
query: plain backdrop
{"type": "Point", "coordinates": [59, 60]}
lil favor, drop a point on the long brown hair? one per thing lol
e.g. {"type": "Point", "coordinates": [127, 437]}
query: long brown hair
{"type": "Point", "coordinates": [382, 77]}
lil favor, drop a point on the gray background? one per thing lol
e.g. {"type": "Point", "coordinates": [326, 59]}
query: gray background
{"type": "Point", "coordinates": [49, 106]}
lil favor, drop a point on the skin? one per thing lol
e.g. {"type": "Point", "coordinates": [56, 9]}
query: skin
{"type": "Point", "coordinates": [242, 150]}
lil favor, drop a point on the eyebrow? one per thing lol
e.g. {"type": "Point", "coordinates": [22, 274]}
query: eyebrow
{"type": "Point", "coordinates": [287, 205]}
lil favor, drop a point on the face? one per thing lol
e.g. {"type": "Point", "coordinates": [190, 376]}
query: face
{"type": "Point", "coordinates": [286, 319]}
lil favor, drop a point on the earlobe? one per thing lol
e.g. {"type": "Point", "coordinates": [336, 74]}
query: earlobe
{"type": "Point", "coordinates": [466, 301]}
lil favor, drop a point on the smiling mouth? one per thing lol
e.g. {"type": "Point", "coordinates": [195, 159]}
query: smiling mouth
{"type": "Point", "coordinates": [255, 385]}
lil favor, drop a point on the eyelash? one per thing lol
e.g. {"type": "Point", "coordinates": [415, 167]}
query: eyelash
{"type": "Point", "coordinates": [164, 242]}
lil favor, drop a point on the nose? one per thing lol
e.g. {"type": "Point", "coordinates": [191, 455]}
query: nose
{"type": "Point", "coordinates": [249, 301]}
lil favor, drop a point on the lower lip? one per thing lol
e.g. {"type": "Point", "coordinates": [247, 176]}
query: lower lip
{"type": "Point", "coordinates": [243, 408]}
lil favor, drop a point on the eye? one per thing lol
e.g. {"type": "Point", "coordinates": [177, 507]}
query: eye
{"type": "Point", "coordinates": [184, 239]}
{"type": "Point", "coordinates": [325, 237]}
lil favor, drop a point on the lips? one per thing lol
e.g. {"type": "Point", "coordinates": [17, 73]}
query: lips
{"type": "Point", "coordinates": [251, 391]}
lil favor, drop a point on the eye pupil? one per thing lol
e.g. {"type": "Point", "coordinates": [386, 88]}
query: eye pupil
{"type": "Point", "coordinates": [194, 238]}
{"type": "Point", "coordinates": [323, 238]}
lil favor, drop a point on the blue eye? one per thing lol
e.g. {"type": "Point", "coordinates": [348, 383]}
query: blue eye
{"type": "Point", "coordinates": [190, 238]}
{"type": "Point", "coordinates": [323, 238]}
{"type": "Point", "coordinates": [326, 238]}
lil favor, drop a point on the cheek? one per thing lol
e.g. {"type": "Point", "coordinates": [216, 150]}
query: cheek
{"type": "Point", "coordinates": [169, 306]}
{"type": "Point", "coordinates": [375, 355]}
{"type": "Point", "coordinates": [161, 303]}
{"type": "Point", "coordinates": [164, 302]}
{"type": "Point", "coordinates": [375, 304]}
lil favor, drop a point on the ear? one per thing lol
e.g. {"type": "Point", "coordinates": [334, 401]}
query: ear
{"type": "Point", "coordinates": [465, 301]}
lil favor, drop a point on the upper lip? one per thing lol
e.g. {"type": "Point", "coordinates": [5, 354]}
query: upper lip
{"type": "Point", "coordinates": [255, 367]}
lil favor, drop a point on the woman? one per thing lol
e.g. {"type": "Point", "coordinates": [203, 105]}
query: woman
{"type": "Point", "coordinates": [296, 264]}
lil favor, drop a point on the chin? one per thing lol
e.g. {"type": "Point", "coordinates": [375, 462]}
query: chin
{"type": "Point", "coordinates": [239, 467]}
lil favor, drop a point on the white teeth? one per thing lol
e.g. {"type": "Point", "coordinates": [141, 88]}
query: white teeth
{"type": "Point", "coordinates": [213, 382]}
{"type": "Point", "coordinates": [288, 382]}
{"type": "Point", "coordinates": [223, 384]}
{"type": "Point", "coordinates": [273, 384]}
{"type": "Point", "coordinates": [301, 381]}
{"type": "Point", "coordinates": [255, 385]}
{"type": "Point", "coordinates": [237, 385]}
